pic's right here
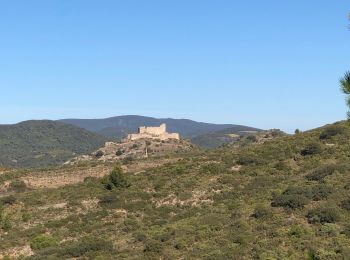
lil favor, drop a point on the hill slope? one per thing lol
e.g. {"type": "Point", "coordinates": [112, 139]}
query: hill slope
{"type": "Point", "coordinates": [39, 143]}
{"type": "Point", "coordinates": [287, 198]}
{"type": "Point", "coordinates": [120, 126]}
{"type": "Point", "coordinates": [223, 136]}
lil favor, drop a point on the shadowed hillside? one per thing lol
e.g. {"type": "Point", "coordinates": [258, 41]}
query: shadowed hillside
{"type": "Point", "coordinates": [40, 143]}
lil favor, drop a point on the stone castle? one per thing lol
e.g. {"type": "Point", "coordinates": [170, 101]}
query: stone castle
{"type": "Point", "coordinates": [153, 133]}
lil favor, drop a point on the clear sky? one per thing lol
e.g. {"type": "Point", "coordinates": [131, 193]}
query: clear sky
{"type": "Point", "coordinates": [268, 64]}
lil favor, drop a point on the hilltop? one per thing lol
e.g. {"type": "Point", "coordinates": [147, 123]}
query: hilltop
{"type": "Point", "coordinates": [130, 150]}
{"type": "Point", "coordinates": [284, 198]}
{"type": "Point", "coordinates": [44, 143]}
{"type": "Point", "coordinates": [119, 126]}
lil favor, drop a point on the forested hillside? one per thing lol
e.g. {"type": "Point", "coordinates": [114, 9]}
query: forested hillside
{"type": "Point", "coordinates": [44, 143]}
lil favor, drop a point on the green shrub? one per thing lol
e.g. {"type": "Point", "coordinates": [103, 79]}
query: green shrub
{"type": "Point", "coordinates": [262, 212]}
{"type": "Point", "coordinates": [5, 223]}
{"type": "Point", "coordinates": [292, 197]}
{"type": "Point", "coordinates": [10, 200]}
{"type": "Point", "coordinates": [90, 179]}
{"type": "Point", "coordinates": [331, 131]}
{"type": "Point", "coordinates": [312, 149]}
{"type": "Point", "coordinates": [345, 204]}
{"type": "Point", "coordinates": [153, 246]}
{"type": "Point", "coordinates": [43, 241]}
{"type": "Point", "coordinates": [99, 153]}
{"type": "Point", "coordinates": [130, 225]}
{"type": "Point", "coordinates": [127, 160]}
{"type": "Point", "coordinates": [323, 215]}
{"type": "Point", "coordinates": [321, 191]}
{"type": "Point", "coordinates": [252, 138]}
{"type": "Point", "coordinates": [111, 201]}
{"type": "Point", "coordinates": [321, 172]}
{"type": "Point", "coordinates": [81, 248]}
{"type": "Point", "coordinates": [249, 159]}
{"type": "Point", "coordinates": [116, 179]}
{"type": "Point", "coordinates": [18, 186]}
{"type": "Point", "coordinates": [346, 230]}
{"type": "Point", "coordinates": [119, 152]}
{"type": "Point", "coordinates": [296, 231]}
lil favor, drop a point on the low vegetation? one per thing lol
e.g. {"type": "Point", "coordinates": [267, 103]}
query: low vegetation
{"type": "Point", "coordinates": [258, 201]}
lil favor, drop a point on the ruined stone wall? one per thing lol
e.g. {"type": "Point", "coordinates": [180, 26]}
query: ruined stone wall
{"type": "Point", "coordinates": [153, 130]}
{"type": "Point", "coordinates": [154, 133]}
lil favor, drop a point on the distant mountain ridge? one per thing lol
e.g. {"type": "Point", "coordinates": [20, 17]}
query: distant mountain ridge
{"type": "Point", "coordinates": [43, 143]}
{"type": "Point", "coordinates": [120, 126]}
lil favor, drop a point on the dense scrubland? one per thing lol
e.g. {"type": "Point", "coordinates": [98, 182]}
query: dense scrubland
{"type": "Point", "coordinates": [287, 198]}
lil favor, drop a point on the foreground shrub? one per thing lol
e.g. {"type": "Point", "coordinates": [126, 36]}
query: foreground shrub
{"type": "Point", "coordinates": [85, 246]}
{"type": "Point", "coordinates": [43, 241]}
{"type": "Point", "coordinates": [292, 197]}
{"type": "Point", "coordinates": [10, 200]}
{"type": "Point", "coordinates": [99, 153]}
{"type": "Point", "coordinates": [323, 215]}
{"type": "Point", "coordinates": [312, 149]}
{"type": "Point", "coordinates": [18, 186]}
{"type": "Point", "coordinates": [345, 204]}
{"type": "Point", "coordinates": [262, 212]}
{"type": "Point", "coordinates": [153, 246]}
{"type": "Point", "coordinates": [116, 179]}
{"type": "Point", "coordinates": [321, 172]}
{"type": "Point", "coordinates": [249, 159]}
{"type": "Point", "coordinates": [294, 201]}
{"type": "Point", "coordinates": [321, 191]}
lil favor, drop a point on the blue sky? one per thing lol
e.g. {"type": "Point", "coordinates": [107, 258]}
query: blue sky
{"type": "Point", "coordinates": [269, 64]}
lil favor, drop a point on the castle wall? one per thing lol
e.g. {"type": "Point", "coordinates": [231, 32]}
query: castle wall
{"type": "Point", "coordinates": [153, 130]}
{"type": "Point", "coordinates": [154, 133]}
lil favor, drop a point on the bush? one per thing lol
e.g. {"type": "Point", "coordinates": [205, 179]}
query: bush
{"type": "Point", "coordinates": [321, 172]}
{"type": "Point", "coordinates": [99, 153]}
{"type": "Point", "coordinates": [290, 201]}
{"type": "Point", "coordinates": [252, 138]}
{"type": "Point", "coordinates": [127, 160]}
{"type": "Point", "coordinates": [43, 241]}
{"type": "Point", "coordinates": [311, 149]}
{"type": "Point", "coordinates": [345, 204]}
{"type": "Point", "coordinates": [262, 212]}
{"type": "Point", "coordinates": [5, 223]}
{"type": "Point", "coordinates": [248, 159]}
{"type": "Point", "coordinates": [321, 191]}
{"type": "Point", "coordinates": [296, 231]}
{"type": "Point", "coordinates": [10, 200]}
{"type": "Point", "coordinates": [81, 248]}
{"type": "Point", "coordinates": [331, 131]}
{"type": "Point", "coordinates": [119, 152]}
{"type": "Point", "coordinates": [292, 197]}
{"type": "Point", "coordinates": [153, 246]}
{"type": "Point", "coordinates": [116, 179]}
{"type": "Point", "coordinates": [346, 230]}
{"type": "Point", "coordinates": [18, 186]}
{"type": "Point", "coordinates": [323, 215]}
